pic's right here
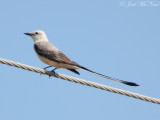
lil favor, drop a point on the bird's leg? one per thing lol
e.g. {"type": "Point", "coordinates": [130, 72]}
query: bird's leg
{"type": "Point", "coordinates": [54, 70]}
{"type": "Point", "coordinates": [47, 67]}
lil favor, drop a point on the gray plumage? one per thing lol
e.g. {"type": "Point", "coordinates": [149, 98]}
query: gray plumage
{"type": "Point", "coordinates": [46, 49]}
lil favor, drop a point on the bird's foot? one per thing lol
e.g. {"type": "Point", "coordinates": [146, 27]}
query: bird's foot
{"type": "Point", "coordinates": [49, 76]}
{"type": "Point", "coordinates": [54, 70]}
{"type": "Point", "coordinates": [46, 68]}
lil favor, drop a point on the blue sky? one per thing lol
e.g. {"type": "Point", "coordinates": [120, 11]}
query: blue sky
{"type": "Point", "coordinates": [105, 36]}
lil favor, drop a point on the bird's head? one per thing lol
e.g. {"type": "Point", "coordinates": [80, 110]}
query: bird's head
{"type": "Point", "coordinates": [37, 35]}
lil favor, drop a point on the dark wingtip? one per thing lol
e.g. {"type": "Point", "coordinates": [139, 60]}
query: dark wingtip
{"type": "Point", "coordinates": [130, 83]}
{"type": "Point", "coordinates": [78, 73]}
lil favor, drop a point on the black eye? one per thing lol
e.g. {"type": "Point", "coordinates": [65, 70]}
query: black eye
{"type": "Point", "coordinates": [36, 33]}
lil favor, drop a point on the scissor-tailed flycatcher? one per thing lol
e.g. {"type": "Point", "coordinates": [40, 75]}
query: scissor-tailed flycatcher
{"type": "Point", "coordinates": [52, 56]}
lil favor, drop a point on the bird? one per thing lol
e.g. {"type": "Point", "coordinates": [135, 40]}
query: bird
{"type": "Point", "coordinates": [52, 56]}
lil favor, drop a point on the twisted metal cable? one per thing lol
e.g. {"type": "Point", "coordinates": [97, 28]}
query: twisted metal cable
{"type": "Point", "coordinates": [81, 81]}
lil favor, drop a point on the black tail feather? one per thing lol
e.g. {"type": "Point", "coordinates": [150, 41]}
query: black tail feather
{"type": "Point", "coordinates": [114, 79]}
{"type": "Point", "coordinates": [130, 83]}
{"type": "Point", "coordinates": [75, 71]}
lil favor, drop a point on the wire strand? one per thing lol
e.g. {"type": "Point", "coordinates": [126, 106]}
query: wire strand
{"type": "Point", "coordinates": [80, 81]}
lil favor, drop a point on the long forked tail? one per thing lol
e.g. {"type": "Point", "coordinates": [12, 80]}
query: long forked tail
{"type": "Point", "coordinates": [114, 79]}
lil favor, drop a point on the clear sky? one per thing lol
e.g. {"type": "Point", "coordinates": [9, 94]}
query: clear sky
{"type": "Point", "coordinates": [117, 38]}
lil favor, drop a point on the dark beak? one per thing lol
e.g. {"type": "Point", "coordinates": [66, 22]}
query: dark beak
{"type": "Point", "coordinates": [28, 34]}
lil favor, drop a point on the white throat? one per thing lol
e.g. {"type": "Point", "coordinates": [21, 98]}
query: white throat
{"type": "Point", "coordinates": [39, 38]}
